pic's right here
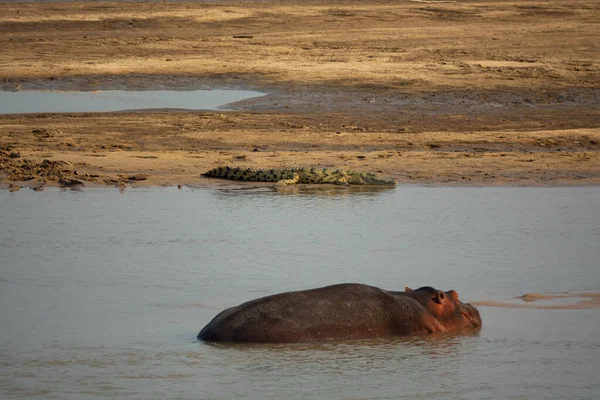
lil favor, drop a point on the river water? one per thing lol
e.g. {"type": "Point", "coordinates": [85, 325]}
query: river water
{"type": "Point", "coordinates": [103, 292]}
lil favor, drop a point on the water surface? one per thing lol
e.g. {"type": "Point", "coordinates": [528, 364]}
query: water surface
{"type": "Point", "coordinates": [103, 292]}
{"type": "Point", "coordinates": [118, 100]}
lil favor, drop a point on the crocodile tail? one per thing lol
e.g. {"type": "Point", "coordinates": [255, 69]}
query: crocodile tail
{"type": "Point", "coordinates": [219, 172]}
{"type": "Point", "coordinates": [249, 174]}
{"type": "Point", "coordinates": [234, 173]}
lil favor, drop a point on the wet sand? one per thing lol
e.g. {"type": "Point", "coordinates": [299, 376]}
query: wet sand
{"type": "Point", "coordinates": [581, 301]}
{"type": "Point", "coordinates": [464, 93]}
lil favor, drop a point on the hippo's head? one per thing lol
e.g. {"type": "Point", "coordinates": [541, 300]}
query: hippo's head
{"type": "Point", "coordinates": [445, 307]}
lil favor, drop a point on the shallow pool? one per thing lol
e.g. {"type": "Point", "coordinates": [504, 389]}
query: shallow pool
{"type": "Point", "coordinates": [24, 102]}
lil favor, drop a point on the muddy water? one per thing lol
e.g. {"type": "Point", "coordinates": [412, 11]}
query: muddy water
{"type": "Point", "coordinates": [103, 292]}
{"type": "Point", "coordinates": [118, 100]}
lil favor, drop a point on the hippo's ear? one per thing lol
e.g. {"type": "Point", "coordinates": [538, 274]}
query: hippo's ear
{"type": "Point", "coordinates": [407, 289]}
{"type": "Point", "coordinates": [440, 297]}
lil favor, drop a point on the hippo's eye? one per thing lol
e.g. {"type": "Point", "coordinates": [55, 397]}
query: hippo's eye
{"type": "Point", "coordinates": [453, 295]}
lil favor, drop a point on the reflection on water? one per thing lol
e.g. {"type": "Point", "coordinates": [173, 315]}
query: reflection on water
{"type": "Point", "coordinates": [436, 344]}
{"type": "Point", "coordinates": [308, 192]}
{"type": "Point", "coordinates": [103, 293]}
{"type": "Point", "coordinates": [118, 100]}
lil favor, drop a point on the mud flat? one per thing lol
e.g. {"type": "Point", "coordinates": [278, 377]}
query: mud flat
{"type": "Point", "coordinates": [463, 93]}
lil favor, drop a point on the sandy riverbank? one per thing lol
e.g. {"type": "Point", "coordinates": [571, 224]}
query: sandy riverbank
{"type": "Point", "coordinates": [465, 93]}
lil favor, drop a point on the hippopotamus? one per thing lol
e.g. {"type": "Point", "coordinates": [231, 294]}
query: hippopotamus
{"type": "Point", "coordinates": [343, 311]}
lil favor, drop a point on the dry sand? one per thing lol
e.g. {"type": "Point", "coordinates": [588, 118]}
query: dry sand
{"type": "Point", "coordinates": [460, 93]}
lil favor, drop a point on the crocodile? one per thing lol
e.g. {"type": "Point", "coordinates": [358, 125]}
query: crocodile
{"type": "Point", "coordinates": [294, 175]}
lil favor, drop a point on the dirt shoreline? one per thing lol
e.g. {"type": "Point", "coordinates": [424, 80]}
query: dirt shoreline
{"type": "Point", "coordinates": [427, 93]}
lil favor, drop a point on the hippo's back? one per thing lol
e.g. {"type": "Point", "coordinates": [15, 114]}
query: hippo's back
{"type": "Point", "coordinates": [333, 312]}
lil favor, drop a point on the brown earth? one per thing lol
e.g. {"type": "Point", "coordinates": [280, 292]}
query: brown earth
{"type": "Point", "coordinates": [487, 92]}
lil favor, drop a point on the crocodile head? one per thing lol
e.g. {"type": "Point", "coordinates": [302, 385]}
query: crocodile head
{"type": "Point", "coordinates": [367, 178]}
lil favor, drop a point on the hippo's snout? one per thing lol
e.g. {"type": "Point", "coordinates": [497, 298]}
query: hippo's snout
{"type": "Point", "coordinates": [471, 316]}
